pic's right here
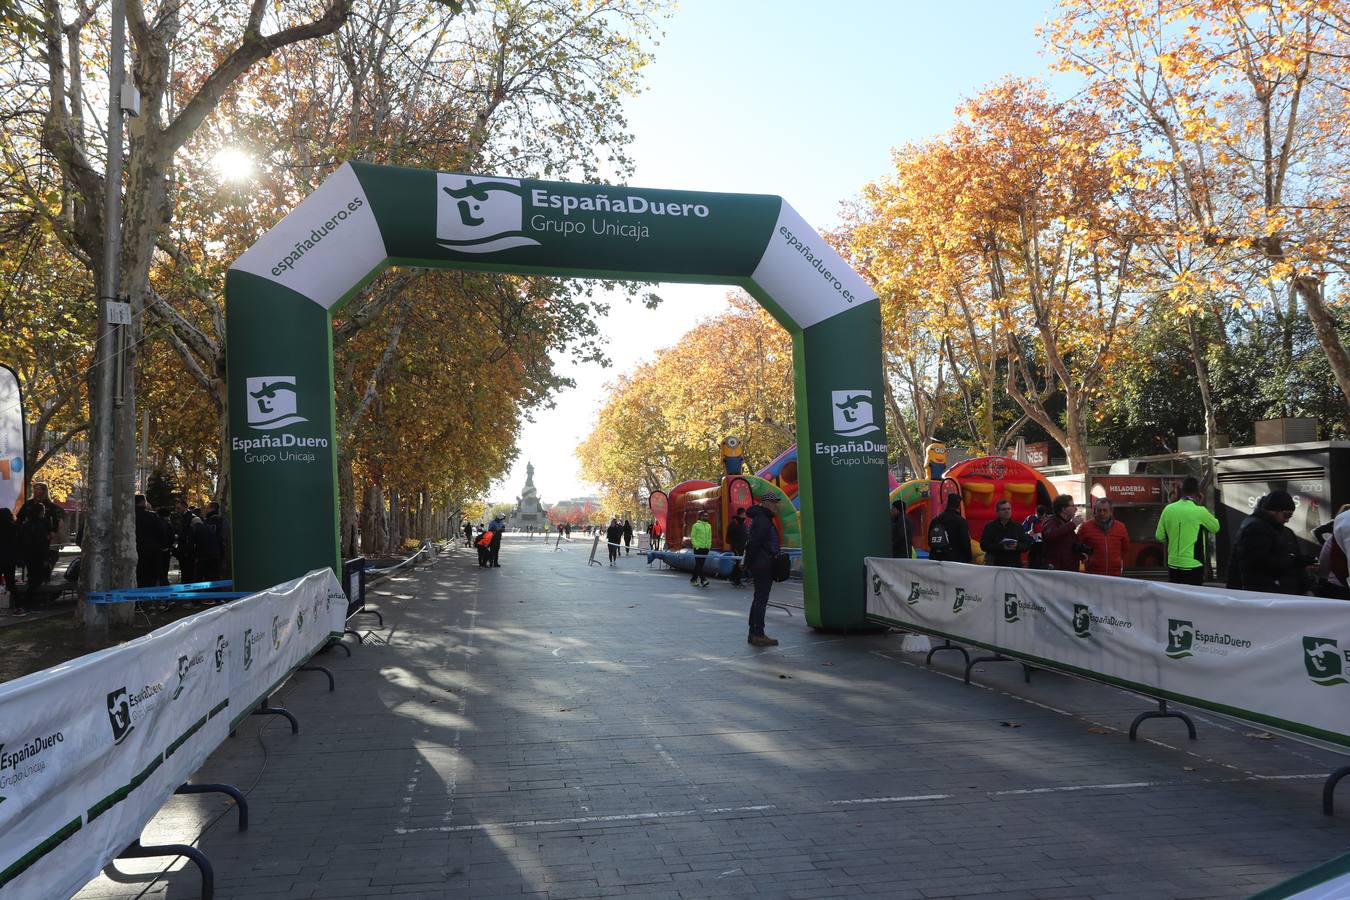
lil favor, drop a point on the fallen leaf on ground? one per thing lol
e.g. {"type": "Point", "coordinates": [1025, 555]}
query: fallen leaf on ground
{"type": "Point", "coordinates": [1188, 768]}
{"type": "Point", "coordinates": [827, 664]}
{"type": "Point", "coordinates": [784, 676]}
{"type": "Point", "coordinates": [1261, 735]}
{"type": "Point", "coordinates": [565, 709]}
{"type": "Point", "coordinates": [1011, 724]}
{"type": "Point", "coordinates": [1097, 729]}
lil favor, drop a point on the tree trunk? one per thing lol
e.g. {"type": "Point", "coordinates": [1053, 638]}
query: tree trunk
{"type": "Point", "coordinates": [1206, 401]}
{"type": "Point", "coordinates": [1310, 291]}
{"type": "Point", "coordinates": [395, 522]}
{"type": "Point", "coordinates": [346, 503]}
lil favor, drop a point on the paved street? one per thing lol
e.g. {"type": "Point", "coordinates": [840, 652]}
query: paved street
{"type": "Point", "coordinates": [553, 730]}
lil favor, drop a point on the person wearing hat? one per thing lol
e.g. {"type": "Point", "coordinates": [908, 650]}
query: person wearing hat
{"type": "Point", "coordinates": [761, 546]}
{"type": "Point", "coordinates": [1265, 554]}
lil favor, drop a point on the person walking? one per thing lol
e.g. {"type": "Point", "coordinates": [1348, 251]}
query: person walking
{"type": "Point", "coordinates": [497, 526]}
{"type": "Point", "coordinates": [1182, 527]}
{"type": "Point", "coordinates": [468, 534]}
{"type": "Point", "coordinates": [902, 547]}
{"type": "Point", "coordinates": [949, 535]}
{"type": "Point", "coordinates": [1265, 553]}
{"type": "Point", "coordinates": [1003, 540]}
{"type": "Point", "coordinates": [736, 544]}
{"type": "Point", "coordinates": [700, 538]}
{"type": "Point", "coordinates": [1108, 539]}
{"type": "Point", "coordinates": [9, 558]}
{"type": "Point", "coordinates": [761, 546]}
{"type": "Point", "coordinates": [627, 538]}
{"type": "Point", "coordinates": [613, 536]}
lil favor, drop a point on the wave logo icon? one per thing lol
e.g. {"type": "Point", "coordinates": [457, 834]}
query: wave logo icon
{"type": "Point", "coordinates": [852, 413]}
{"type": "Point", "coordinates": [480, 215]}
{"type": "Point", "coordinates": [271, 402]}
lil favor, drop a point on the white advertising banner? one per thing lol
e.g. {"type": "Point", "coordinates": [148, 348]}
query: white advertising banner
{"type": "Point", "coordinates": [91, 749]}
{"type": "Point", "coordinates": [1280, 660]}
{"type": "Point", "coordinates": [12, 447]}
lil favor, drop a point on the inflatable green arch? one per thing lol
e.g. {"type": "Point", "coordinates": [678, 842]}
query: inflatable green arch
{"type": "Point", "coordinates": [281, 294]}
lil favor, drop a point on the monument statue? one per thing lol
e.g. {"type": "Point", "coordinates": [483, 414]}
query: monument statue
{"type": "Point", "coordinates": [529, 511]}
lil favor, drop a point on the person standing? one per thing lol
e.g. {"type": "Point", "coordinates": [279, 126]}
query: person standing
{"type": "Point", "coordinates": [627, 537]}
{"type": "Point", "coordinates": [761, 546]}
{"type": "Point", "coordinates": [187, 556]}
{"type": "Point", "coordinates": [1059, 534]}
{"type": "Point", "coordinates": [9, 558]}
{"type": "Point", "coordinates": [700, 538]}
{"type": "Point", "coordinates": [149, 544]}
{"type": "Point", "coordinates": [901, 545]}
{"type": "Point", "coordinates": [1108, 539]}
{"type": "Point", "coordinates": [948, 534]}
{"type": "Point", "coordinates": [1265, 553]}
{"type": "Point", "coordinates": [1003, 540]}
{"type": "Point", "coordinates": [38, 523]}
{"type": "Point", "coordinates": [613, 535]}
{"type": "Point", "coordinates": [468, 534]}
{"type": "Point", "coordinates": [1182, 527]}
{"type": "Point", "coordinates": [206, 545]}
{"type": "Point", "coordinates": [736, 544]}
{"type": "Point", "coordinates": [1032, 525]}
{"type": "Point", "coordinates": [482, 543]}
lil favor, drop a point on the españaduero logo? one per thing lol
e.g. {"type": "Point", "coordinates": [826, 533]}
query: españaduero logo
{"type": "Point", "coordinates": [1180, 637]}
{"type": "Point", "coordinates": [1323, 660]}
{"type": "Point", "coordinates": [1084, 618]}
{"type": "Point", "coordinates": [1184, 639]}
{"type": "Point", "coordinates": [271, 402]}
{"type": "Point", "coordinates": [852, 413]}
{"type": "Point", "coordinates": [125, 709]}
{"type": "Point", "coordinates": [963, 597]}
{"type": "Point", "coordinates": [1013, 607]}
{"type": "Point", "coordinates": [480, 215]}
{"type": "Point", "coordinates": [918, 592]}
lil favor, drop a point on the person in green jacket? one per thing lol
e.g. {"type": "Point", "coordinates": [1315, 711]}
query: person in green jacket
{"type": "Point", "coordinates": [1181, 527]}
{"type": "Point", "coordinates": [700, 538]}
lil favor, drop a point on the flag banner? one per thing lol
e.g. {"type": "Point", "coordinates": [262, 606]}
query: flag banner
{"type": "Point", "coordinates": [1274, 659]}
{"type": "Point", "coordinates": [91, 749]}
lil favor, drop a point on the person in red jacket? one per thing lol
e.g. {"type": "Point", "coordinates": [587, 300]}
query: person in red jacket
{"type": "Point", "coordinates": [1107, 537]}
{"type": "Point", "coordinates": [1059, 535]}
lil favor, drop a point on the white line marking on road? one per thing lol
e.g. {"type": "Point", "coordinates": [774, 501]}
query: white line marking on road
{"type": "Point", "coordinates": [587, 820]}
{"type": "Point", "coordinates": [910, 799]}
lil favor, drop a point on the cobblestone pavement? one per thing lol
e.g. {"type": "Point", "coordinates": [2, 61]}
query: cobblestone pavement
{"type": "Point", "coordinates": [553, 730]}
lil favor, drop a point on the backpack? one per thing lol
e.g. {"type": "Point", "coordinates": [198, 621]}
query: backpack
{"type": "Point", "coordinates": [782, 566]}
{"type": "Point", "coordinates": [939, 542]}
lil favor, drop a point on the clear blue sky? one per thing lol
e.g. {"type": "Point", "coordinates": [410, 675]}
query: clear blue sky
{"type": "Point", "coordinates": [802, 99]}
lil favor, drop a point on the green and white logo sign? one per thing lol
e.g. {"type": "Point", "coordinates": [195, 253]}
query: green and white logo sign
{"type": "Point", "coordinates": [1082, 620]}
{"type": "Point", "coordinates": [963, 597]}
{"type": "Point", "coordinates": [1323, 661]}
{"type": "Point", "coordinates": [1180, 637]}
{"type": "Point", "coordinates": [918, 592]}
{"type": "Point", "coordinates": [281, 295]}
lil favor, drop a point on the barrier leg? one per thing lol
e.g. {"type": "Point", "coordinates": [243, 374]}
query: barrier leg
{"type": "Point", "coordinates": [137, 851]}
{"type": "Point", "coordinates": [946, 645]}
{"type": "Point", "coordinates": [332, 686]}
{"type": "Point", "coordinates": [265, 710]}
{"type": "Point", "coordinates": [1329, 788]}
{"type": "Point", "coordinates": [971, 663]}
{"type": "Point", "coordinates": [370, 612]}
{"type": "Point", "coordinates": [1162, 712]}
{"type": "Point", "coordinates": [231, 790]}
{"type": "Point", "coordinates": [1026, 673]}
{"type": "Point", "coordinates": [332, 643]}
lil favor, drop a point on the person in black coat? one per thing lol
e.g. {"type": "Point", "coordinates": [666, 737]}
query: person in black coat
{"type": "Point", "coordinates": [736, 544]}
{"type": "Point", "coordinates": [1265, 553]}
{"type": "Point", "coordinates": [150, 544]}
{"type": "Point", "coordinates": [951, 526]}
{"type": "Point", "coordinates": [761, 546]}
{"type": "Point", "coordinates": [902, 547]}
{"type": "Point", "coordinates": [1004, 541]}
{"type": "Point", "coordinates": [627, 537]}
{"type": "Point", "coordinates": [9, 558]}
{"type": "Point", "coordinates": [613, 535]}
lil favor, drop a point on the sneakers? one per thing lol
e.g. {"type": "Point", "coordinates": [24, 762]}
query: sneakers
{"type": "Point", "coordinates": [761, 640]}
{"type": "Point", "coordinates": [704, 583]}
{"type": "Point", "coordinates": [693, 581]}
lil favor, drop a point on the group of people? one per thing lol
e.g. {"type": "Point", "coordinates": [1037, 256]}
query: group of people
{"type": "Point", "coordinates": [1265, 555]}
{"type": "Point", "coordinates": [619, 536]}
{"type": "Point", "coordinates": [487, 541]}
{"type": "Point", "coordinates": [198, 538]}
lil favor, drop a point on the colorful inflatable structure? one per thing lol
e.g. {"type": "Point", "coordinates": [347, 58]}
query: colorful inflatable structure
{"type": "Point", "coordinates": [981, 483]}
{"type": "Point", "coordinates": [679, 509]}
